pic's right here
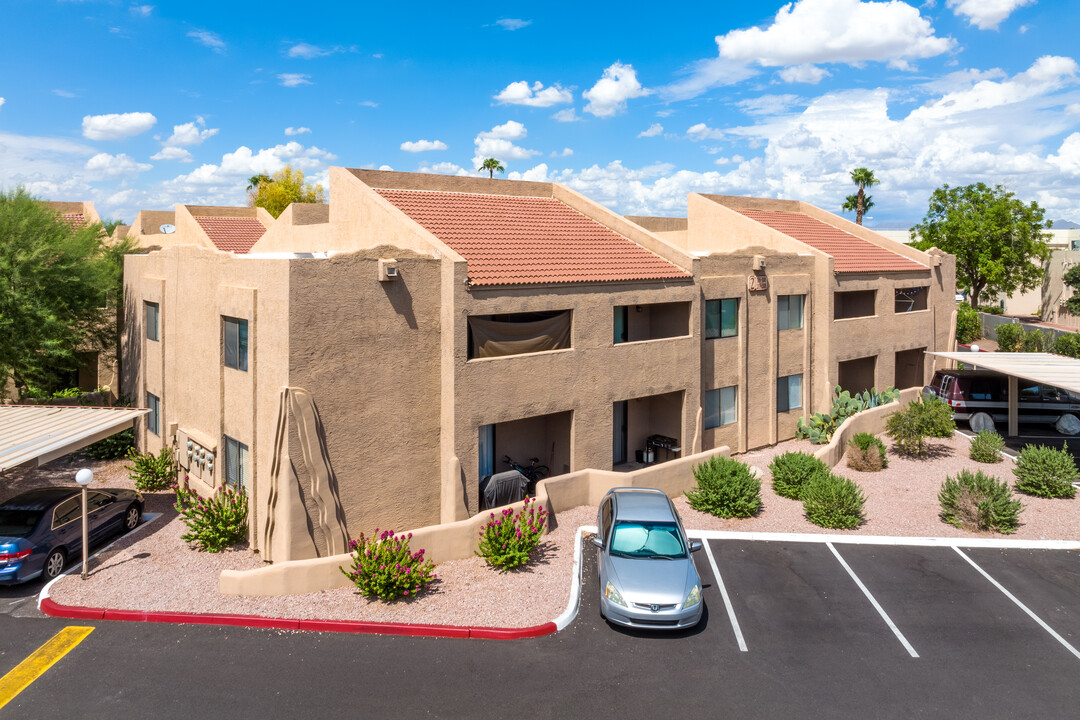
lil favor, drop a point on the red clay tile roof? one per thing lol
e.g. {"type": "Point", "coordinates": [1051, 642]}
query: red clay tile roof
{"type": "Point", "coordinates": [850, 253]}
{"type": "Point", "coordinates": [73, 220]}
{"type": "Point", "coordinates": [510, 240]}
{"type": "Point", "coordinates": [232, 234]}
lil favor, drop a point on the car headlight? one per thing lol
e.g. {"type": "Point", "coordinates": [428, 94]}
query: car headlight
{"type": "Point", "coordinates": [612, 594]}
{"type": "Point", "coordinates": [693, 598]}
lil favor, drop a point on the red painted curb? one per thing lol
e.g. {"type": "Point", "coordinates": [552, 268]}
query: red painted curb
{"type": "Point", "coordinates": [54, 609]}
{"type": "Point", "coordinates": [486, 633]}
{"type": "Point", "coordinates": [384, 628]}
{"type": "Point", "coordinates": [78, 613]}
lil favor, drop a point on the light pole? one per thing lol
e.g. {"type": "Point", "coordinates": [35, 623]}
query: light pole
{"type": "Point", "coordinates": [84, 477]}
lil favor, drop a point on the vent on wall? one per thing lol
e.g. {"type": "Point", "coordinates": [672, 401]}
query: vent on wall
{"type": "Point", "coordinates": [388, 270]}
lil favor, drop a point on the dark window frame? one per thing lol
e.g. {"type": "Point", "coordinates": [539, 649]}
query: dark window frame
{"type": "Point", "coordinates": [153, 328]}
{"type": "Point", "coordinates": [786, 405]}
{"type": "Point", "coordinates": [783, 315]}
{"type": "Point", "coordinates": [153, 419]}
{"type": "Point", "coordinates": [720, 330]}
{"type": "Point", "coordinates": [236, 357]}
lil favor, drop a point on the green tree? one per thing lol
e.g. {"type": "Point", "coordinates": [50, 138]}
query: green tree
{"type": "Point", "coordinates": [492, 166]}
{"type": "Point", "coordinates": [860, 202]}
{"type": "Point", "coordinates": [54, 280]}
{"type": "Point", "coordinates": [1071, 279]}
{"type": "Point", "coordinates": [277, 192]}
{"type": "Point", "coordinates": [999, 242]}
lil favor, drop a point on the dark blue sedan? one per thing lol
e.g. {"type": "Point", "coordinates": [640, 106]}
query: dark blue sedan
{"type": "Point", "coordinates": [41, 530]}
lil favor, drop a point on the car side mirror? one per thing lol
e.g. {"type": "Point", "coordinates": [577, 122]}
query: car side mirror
{"type": "Point", "coordinates": [695, 546]}
{"type": "Point", "coordinates": [598, 542]}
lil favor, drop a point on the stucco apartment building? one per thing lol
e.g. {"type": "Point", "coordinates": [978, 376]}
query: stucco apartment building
{"type": "Point", "coordinates": [364, 364]}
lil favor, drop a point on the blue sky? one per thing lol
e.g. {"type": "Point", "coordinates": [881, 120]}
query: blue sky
{"type": "Point", "coordinates": [138, 105]}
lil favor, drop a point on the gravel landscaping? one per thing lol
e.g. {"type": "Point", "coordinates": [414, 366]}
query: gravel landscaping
{"type": "Point", "coordinates": [154, 570]}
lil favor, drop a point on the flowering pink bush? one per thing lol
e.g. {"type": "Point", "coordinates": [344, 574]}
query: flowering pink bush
{"type": "Point", "coordinates": [383, 566]}
{"type": "Point", "coordinates": [508, 540]}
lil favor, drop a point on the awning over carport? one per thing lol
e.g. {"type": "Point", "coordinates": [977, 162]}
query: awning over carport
{"type": "Point", "coordinates": [1043, 368]}
{"type": "Point", "coordinates": [40, 433]}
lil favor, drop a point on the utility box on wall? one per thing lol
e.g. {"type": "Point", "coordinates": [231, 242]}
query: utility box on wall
{"type": "Point", "coordinates": [388, 270]}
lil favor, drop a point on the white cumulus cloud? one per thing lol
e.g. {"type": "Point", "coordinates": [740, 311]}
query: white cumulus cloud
{"type": "Point", "coordinates": [415, 146]}
{"type": "Point", "coordinates": [652, 131]}
{"type": "Point", "coordinates": [191, 133]}
{"type": "Point", "coordinates": [116, 126]}
{"type": "Point", "coordinates": [513, 23]}
{"type": "Point", "coordinates": [294, 79]}
{"type": "Point", "coordinates": [173, 153]}
{"type": "Point", "coordinates": [106, 165]}
{"type": "Point", "coordinates": [498, 143]}
{"type": "Point", "coordinates": [566, 115]}
{"type": "Point", "coordinates": [297, 130]}
{"type": "Point", "coordinates": [701, 131]}
{"type": "Point", "coordinates": [521, 93]}
{"type": "Point", "coordinates": [309, 52]}
{"type": "Point", "coordinates": [986, 14]}
{"type": "Point", "coordinates": [809, 74]}
{"type": "Point", "coordinates": [610, 93]}
{"type": "Point", "coordinates": [566, 152]}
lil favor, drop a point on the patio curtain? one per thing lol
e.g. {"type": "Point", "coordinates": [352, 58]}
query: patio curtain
{"type": "Point", "coordinates": [494, 338]}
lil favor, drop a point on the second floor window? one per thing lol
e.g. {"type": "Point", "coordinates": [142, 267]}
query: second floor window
{"type": "Point", "coordinates": [153, 315]}
{"type": "Point", "coordinates": [721, 318]}
{"type": "Point", "coordinates": [236, 343]}
{"type": "Point", "coordinates": [789, 309]}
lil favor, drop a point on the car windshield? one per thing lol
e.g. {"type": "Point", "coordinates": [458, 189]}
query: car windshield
{"type": "Point", "coordinates": [18, 523]}
{"type": "Point", "coordinates": [647, 540]}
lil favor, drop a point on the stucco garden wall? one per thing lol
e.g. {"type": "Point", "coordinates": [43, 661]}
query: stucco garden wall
{"type": "Point", "coordinates": [871, 421]}
{"type": "Point", "coordinates": [457, 540]}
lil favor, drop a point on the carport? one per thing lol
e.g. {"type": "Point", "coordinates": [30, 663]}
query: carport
{"type": "Point", "coordinates": [38, 433]}
{"type": "Point", "coordinates": [1043, 368]}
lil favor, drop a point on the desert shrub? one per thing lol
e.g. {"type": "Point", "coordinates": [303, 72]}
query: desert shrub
{"type": "Point", "coordinates": [113, 447]}
{"type": "Point", "coordinates": [986, 447]}
{"type": "Point", "coordinates": [866, 452]}
{"type": "Point", "coordinates": [1010, 337]}
{"type": "Point", "coordinates": [1068, 344]}
{"type": "Point", "coordinates": [213, 523]}
{"type": "Point", "coordinates": [151, 472]}
{"type": "Point", "coordinates": [1037, 341]}
{"type": "Point", "coordinates": [922, 418]}
{"type": "Point", "coordinates": [792, 470]}
{"type": "Point", "coordinates": [508, 541]}
{"type": "Point", "coordinates": [991, 309]}
{"type": "Point", "coordinates": [1045, 472]}
{"type": "Point", "coordinates": [974, 501]}
{"type": "Point", "coordinates": [968, 324]}
{"type": "Point", "coordinates": [385, 567]}
{"type": "Point", "coordinates": [831, 501]}
{"type": "Point", "coordinates": [725, 488]}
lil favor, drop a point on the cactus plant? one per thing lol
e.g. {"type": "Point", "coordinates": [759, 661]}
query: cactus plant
{"type": "Point", "coordinates": [819, 428]}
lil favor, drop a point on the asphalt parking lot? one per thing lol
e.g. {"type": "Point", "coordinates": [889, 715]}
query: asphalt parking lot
{"type": "Point", "coordinates": [816, 646]}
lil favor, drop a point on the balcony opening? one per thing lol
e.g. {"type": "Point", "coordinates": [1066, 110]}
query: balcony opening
{"type": "Point", "coordinates": [858, 303]}
{"type": "Point", "coordinates": [857, 375]}
{"type": "Point", "coordinates": [545, 438]}
{"type": "Point", "coordinates": [518, 333]}
{"type": "Point", "coordinates": [655, 321]}
{"type": "Point", "coordinates": [911, 299]}
{"type": "Point", "coordinates": [646, 430]}
{"type": "Point", "coordinates": [909, 368]}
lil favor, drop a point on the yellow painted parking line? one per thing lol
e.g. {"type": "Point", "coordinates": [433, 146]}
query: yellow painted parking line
{"type": "Point", "coordinates": [39, 661]}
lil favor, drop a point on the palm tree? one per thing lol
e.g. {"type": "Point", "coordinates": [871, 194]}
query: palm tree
{"type": "Point", "coordinates": [256, 180]}
{"type": "Point", "coordinates": [492, 166]}
{"type": "Point", "coordinates": [864, 179]}
{"type": "Point", "coordinates": [851, 204]}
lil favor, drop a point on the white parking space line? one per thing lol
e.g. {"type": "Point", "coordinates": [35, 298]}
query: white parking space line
{"type": "Point", "coordinates": [1020, 605]}
{"type": "Point", "coordinates": [881, 611]}
{"type": "Point", "coordinates": [727, 600]}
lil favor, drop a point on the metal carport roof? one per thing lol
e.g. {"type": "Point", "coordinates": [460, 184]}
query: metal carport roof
{"type": "Point", "coordinates": [1043, 368]}
{"type": "Point", "coordinates": [40, 433]}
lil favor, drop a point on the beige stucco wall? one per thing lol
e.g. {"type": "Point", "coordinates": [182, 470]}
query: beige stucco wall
{"type": "Point", "coordinates": [368, 352]}
{"type": "Point", "coordinates": [205, 400]}
{"type": "Point", "coordinates": [301, 228]}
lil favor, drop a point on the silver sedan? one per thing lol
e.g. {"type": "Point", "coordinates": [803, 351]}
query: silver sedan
{"type": "Point", "coordinates": [647, 574]}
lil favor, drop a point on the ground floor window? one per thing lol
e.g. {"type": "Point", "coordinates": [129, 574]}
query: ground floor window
{"type": "Point", "coordinates": [153, 420]}
{"type": "Point", "coordinates": [487, 450]}
{"type": "Point", "coordinates": [720, 407]}
{"type": "Point", "coordinates": [236, 463]}
{"type": "Point", "coordinates": [788, 393]}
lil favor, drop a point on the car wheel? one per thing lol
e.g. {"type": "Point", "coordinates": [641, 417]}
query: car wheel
{"type": "Point", "coordinates": [54, 564]}
{"type": "Point", "coordinates": [131, 518]}
{"type": "Point", "coordinates": [981, 421]}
